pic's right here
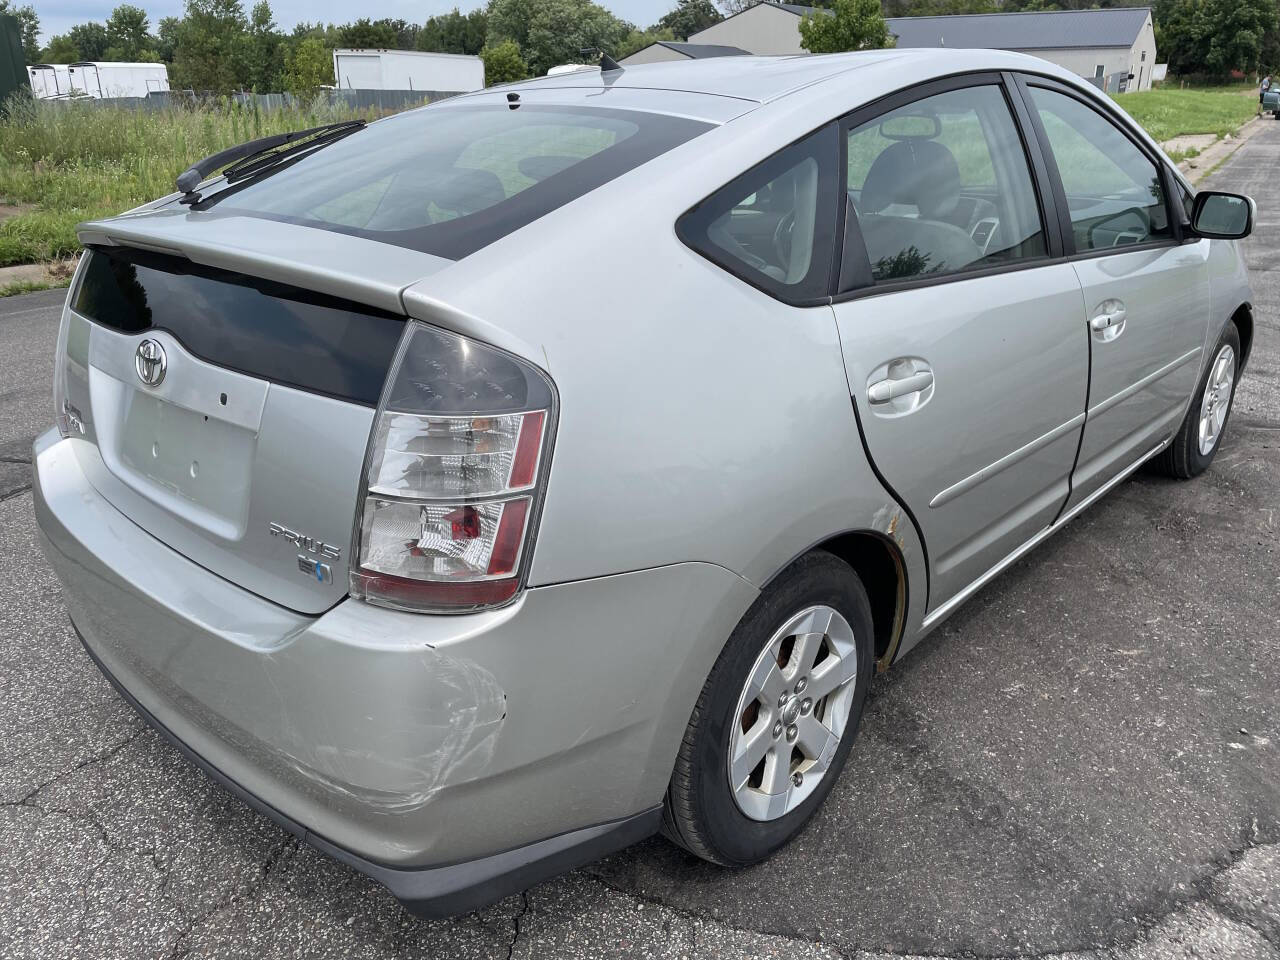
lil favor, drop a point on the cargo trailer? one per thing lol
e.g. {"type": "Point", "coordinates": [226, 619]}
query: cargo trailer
{"type": "Point", "coordinates": [407, 70]}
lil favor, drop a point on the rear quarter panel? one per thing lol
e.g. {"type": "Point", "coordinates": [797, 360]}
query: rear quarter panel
{"type": "Point", "coordinates": [700, 419]}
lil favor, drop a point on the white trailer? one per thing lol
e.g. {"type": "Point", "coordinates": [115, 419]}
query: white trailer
{"type": "Point", "coordinates": [49, 80]}
{"type": "Point", "coordinates": [407, 70]}
{"type": "Point", "coordinates": [102, 79]}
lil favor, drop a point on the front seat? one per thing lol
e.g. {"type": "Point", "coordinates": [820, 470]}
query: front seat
{"type": "Point", "coordinates": [922, 174]}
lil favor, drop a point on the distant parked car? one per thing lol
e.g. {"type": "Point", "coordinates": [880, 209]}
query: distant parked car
{"type": "Point", "coordinates": [482, 490]}
{"type": "Point", "coordinates": [1271, 101]}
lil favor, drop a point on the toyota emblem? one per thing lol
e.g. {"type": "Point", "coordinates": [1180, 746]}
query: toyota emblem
{"type": "Point", "coordinates": [150, 362]}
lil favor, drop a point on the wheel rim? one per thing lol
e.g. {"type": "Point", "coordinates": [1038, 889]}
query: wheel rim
{"type": "Point", "coordinates": [1216, 401]}
{"type": "Point", "coordinates": [792, 713]}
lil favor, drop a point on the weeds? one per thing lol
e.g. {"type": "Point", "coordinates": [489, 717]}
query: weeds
{"type": "Point", "coordinates": [79, 162]}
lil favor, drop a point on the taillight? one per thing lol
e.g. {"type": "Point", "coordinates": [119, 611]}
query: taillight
{"type": "Point", "coordinates": [453, 476]}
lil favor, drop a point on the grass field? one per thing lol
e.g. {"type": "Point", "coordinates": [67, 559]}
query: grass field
{"type": "Point", "coordinates": [1169, 112]}
{"type": "Point", "coordinates": [77, 162]}
{"type": "Point", "coordinates": [66, 163]}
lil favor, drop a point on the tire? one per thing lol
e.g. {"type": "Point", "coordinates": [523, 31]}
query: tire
{"type": "Point", "coordinates": [1184, 457]}
{"type": "Point", "coordinates": [702, 812]}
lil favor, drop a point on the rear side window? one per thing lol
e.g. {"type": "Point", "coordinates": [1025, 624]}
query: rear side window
{"type": "Point", "coordinates": [450, 180]}
{"type": "Point", "coordinates": [942, 185]}
{"type": "Point", "coordinates": [774, 226]}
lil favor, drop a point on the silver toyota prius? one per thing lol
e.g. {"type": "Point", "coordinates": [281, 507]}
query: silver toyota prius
{"type": "Point", "coordinates": [481, 490]}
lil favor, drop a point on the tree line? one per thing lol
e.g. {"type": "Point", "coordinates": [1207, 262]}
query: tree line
{"type": "Point", "coordinates": [218, 47]}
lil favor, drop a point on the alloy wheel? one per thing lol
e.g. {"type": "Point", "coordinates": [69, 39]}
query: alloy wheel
{"type": "Point", "coordinates": [1216, 401]}
{"type": "Point", "coordinates": [792, 713]}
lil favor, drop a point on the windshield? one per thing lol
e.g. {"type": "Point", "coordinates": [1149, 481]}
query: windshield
{"type": "Point", "coordinates": [449, 180]}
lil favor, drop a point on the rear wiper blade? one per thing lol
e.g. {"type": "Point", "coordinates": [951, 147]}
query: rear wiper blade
{"type": "Point", "coordinates": [247, 158]}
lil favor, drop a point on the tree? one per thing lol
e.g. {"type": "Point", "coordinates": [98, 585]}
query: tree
{"type": "Point", "coordinates": [264, 50]}
{"type": "Point", "coordinates": [1214, 37]}
{"type": "Point", "coordinates": [551, 32]}
{"type": "Point", "coordinates": [688, 17]}
{"type": "Point", "coordinates": [209, 52]}
{"type": "Point", "coordinates": [455, 32]}
{"type": "Point", "coordinates": [60, 50]}
{"type": "Point", "coordinates": [308, 66]}
{"type": "Point", "coordinates": [90, 39]}
{"type": "Point", "coordinates": [128, 38]}
{"type": "Point", "coordinates": [29, 23]}
{"type": "Point", "coordinates": [368, 34]}
{"type": "Point", "coordinates": [503, 63]}
{"type": "Point", "coordinates": [167, 37]}
{"type": "Point", "coordinates": [639, 39]}
{"type": "Point", "coordinates": [850, 25]}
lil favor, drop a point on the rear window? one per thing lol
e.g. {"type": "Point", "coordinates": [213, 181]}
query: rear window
{"type": "Point", "coordinates": [274, 331]}
{"type": "Point", "coordinates": [449, 180]}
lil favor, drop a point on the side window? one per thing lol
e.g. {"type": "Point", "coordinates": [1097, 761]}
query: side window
{"type": "Point", "coordinates": [1113, 190]}
{"type": "Point", "coordinates": [942, 185]}
{"type": "Point", "coordinates": [774, 226]}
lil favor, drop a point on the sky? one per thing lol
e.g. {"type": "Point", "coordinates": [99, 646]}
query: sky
{"type": "Point", "coordinates": [57, 16]}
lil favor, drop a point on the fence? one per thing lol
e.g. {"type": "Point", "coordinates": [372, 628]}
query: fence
{"type": "Point", "coordinates": [384, 101]}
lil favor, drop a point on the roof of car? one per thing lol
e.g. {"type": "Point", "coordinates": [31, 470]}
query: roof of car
{"type": "Point", "coordinates": [764, 79]}
{"type": "Point", "coordinates": [745, 78]}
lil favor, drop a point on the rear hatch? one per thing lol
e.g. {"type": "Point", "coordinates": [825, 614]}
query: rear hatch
{"type": "Point", "coordinates": [228, 414]}
{"type": "Point", "coordinates": [224, 358]}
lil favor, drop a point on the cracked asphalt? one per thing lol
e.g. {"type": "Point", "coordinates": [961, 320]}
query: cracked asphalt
{"type": "Point", "coordinates": [1084, 762]}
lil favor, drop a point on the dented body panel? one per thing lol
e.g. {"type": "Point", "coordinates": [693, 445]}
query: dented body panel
{"type": "Point", "coordinates": [400, 738]}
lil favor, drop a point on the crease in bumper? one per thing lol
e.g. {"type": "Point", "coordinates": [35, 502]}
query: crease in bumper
{"type": "Point", "coordinates": [438, 891]}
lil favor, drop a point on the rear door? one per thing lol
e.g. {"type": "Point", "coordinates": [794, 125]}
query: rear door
{"type": "Point", "coordinates": [1146, 294]}
{"type": "Point", "coordinates": [961, 328]}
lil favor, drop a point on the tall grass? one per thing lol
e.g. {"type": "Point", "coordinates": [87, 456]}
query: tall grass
{"type": "Point", "coordinates": [79, 162]}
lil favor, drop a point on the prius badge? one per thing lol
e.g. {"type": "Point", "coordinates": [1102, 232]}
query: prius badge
{"type": "Point", "coordinates": [309, 561]}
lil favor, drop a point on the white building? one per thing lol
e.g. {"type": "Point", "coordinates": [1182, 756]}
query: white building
{"type": "Point", "coordinates": [407, 70]}
{"type": "Point", "coordinates": [1106, 46]}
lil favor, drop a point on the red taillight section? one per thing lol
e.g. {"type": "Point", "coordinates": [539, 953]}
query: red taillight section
{"type": "Point", "coordinates": [506, 546]}
{"type": "Point", "coordinates": [452, 476]}
{"type": "Point", "coordinates": [524, 466]}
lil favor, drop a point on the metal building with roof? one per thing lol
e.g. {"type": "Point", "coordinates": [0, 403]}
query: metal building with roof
{"type": "Point", "coordinates": [662, 51]}
{"type": "Point", "coordinates": [1105, 46]}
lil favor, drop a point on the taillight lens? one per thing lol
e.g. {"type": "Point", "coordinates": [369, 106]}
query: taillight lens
{"type": "Point", "coordinates": [452, 477]}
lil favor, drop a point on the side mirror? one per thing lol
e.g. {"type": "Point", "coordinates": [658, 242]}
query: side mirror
{"type": "Point", "coordinates": [1222, 216]}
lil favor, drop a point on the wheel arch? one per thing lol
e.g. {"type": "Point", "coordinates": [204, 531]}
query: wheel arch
{"type": "Point", "coordinates": [1243, 319]}
{"type": "Point", "coordinates": [880, 565]}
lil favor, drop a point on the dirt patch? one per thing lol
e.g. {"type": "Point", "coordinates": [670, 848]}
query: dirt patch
{"type": "Point", "coordinates": [53, 273]}
{"type": "Point", "coordinates": [8, 210]}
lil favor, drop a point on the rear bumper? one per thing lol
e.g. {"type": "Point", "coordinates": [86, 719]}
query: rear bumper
{"type": "Point", "coordinates": [454, 759]}
{"type": "Point", "coordinates": [436, 891]}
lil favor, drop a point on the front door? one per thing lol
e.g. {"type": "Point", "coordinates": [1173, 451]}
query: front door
{"type": "Point", "coordinates": [1146, 296]}
{"type": "Point", "coordinates": [963, 342]}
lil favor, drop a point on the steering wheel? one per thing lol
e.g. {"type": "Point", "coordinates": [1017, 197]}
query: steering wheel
{"type": "Point", "coordinates": [782, 238]}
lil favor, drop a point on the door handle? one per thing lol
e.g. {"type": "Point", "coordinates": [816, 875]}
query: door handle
{"type": "Point", "coordinates": [883, 391]}
{"type": "Point", "coordinates": [1108, 323]}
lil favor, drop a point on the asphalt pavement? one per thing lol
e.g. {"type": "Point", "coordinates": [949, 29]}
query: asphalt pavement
{"type": "Point", "coordinates": [1085, 761]}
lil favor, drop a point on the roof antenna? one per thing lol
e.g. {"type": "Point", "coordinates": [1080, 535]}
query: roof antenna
{"type": "Point", "coordinates": [607, 63]}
